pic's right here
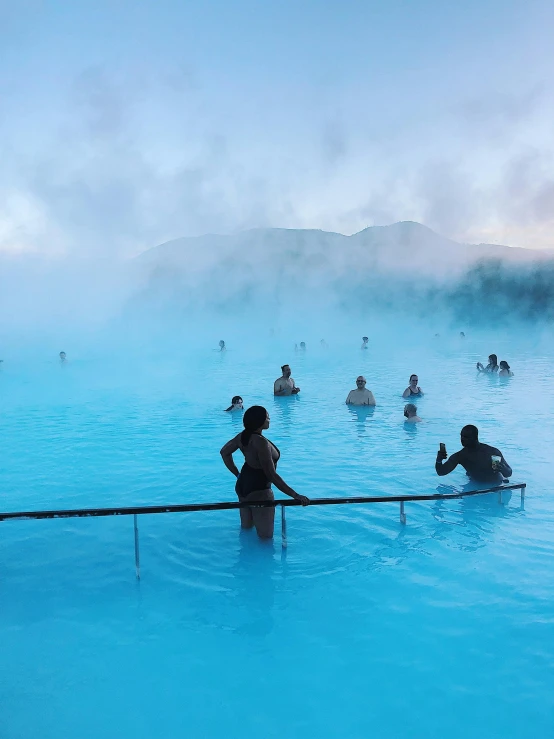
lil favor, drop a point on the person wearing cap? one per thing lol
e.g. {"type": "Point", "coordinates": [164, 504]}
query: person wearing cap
{"type": "Point", "coordinates": [361, 395]}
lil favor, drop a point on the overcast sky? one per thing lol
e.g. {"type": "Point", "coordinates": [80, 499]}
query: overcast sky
{"type": "Point", "coordinates": [125, 123]}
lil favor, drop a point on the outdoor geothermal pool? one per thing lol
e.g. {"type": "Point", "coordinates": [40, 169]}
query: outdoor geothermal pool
{"type": "Point", "coordinates": [361, 628]}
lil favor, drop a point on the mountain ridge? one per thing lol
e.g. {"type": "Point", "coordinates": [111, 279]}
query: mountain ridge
{"type": "Point", "coordinates": [400, 247]}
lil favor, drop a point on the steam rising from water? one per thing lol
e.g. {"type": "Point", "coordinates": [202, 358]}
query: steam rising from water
{"type": "Point", "coordinates": [299, 284]}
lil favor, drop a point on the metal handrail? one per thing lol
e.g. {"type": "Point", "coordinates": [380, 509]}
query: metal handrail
{"type": "Point", "coordinates": [194, 507]}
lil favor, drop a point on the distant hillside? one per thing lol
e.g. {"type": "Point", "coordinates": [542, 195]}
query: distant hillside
{"type": "Point", "coordinates": [402, 247]}
{"type": "Point", "coordinates": [402, 267]}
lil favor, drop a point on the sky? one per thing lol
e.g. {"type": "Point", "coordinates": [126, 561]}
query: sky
{"type": "Point", "coordinates": [126, 124]}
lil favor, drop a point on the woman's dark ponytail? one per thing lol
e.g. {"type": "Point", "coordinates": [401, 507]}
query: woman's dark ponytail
{"type": "Point", "coordinates": [253, 419]}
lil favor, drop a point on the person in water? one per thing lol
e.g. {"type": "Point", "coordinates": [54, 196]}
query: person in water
{"type": "Point", "coordinates": [505, 370]}
{"type": "Point", "coordinates": [491, 367]}
{"type": "Point", "coordinates": [462, 335]}
{"type": "Point", "coordinates": [222, 347]}
{"type": "Point", "coordinates": [258, 472]}
{"type": "Point", "coordinates": [324, 344]}
{"type": "Point", "coordinates": [361, 395]}
{"type": "Point", "coordinates": [285, 385]}
{"type": "Point", "coordinates": [63, 357]}
{"type": "Point", "coordinates": [364, 342]}
{"type": "Point", "coordinates": [410, 414]}
{"type": "Point", "coordinates": [236, 404]}
{"type": "Point", "coordinates": [302, 346]}
{"type": "Point", "coordinates": [413, 390]}
{"type": "Point", "coordinates": [481, 462]}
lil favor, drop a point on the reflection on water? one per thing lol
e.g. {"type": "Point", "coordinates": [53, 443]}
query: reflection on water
{"type": "Point", "coordinates": [360, 415]}
{"type": "Point", "coordinates": [285, 408]}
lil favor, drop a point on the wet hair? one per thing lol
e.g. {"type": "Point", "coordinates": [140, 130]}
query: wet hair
{"type": "Point", "coordinates": [410, 408]}
{"type": "Point", "coordinates": [253, 419]}
{"type": "Point", "coordinates": [471, 432]}
{"type": "Point", "coordinates": [365, 338]}
{"type": "Point", "coordinates": [494, 360]}
{"type": "Point", "coordinates": [283, 367]}
{"type": "Point", "coordinates": [504, 365]}
{"type": "Point", "coordinates": [234, 400]}
{"type": "Point", "coordinates": [412, 376]}
{"type": "Point", "coordinates": [303, 343]}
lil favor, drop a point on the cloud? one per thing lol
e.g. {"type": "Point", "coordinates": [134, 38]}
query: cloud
{"type": "Point", "coordinates": [115, 179]}
{"type": "Point", "coordinates": [449, 199]}
{"type": "Point", "coordinates": [495, 116]}
{"type": "Point", "coordinates": [334, 143]}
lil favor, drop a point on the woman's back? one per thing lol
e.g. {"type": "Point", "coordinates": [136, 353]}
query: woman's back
{"type": "Point", "coordinates": [256, 449]}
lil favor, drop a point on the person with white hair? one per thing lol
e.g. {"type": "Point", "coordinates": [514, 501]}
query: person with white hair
{"type": "Point", "coordinates": [361, 395]}
{"type": "Point", "coordinates": [410, 414]}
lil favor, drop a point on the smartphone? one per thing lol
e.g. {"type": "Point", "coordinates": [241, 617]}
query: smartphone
{"type": "Point", "coordinates": [442, 448]}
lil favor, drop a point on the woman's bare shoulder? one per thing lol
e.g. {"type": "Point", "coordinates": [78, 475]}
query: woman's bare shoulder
{"type": "Point", "coordinates": [260, 442]}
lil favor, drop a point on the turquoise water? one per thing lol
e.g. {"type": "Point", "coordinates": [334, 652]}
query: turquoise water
{"type": "Point", "coordinates": [364, 627]}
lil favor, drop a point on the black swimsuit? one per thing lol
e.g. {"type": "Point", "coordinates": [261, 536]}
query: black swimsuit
{"type": "Point", "coordinates": [251, 479]}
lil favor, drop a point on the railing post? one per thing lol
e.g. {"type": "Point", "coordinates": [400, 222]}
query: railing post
{"type": "Point", "coordinates": [402, 514]}
{"type": "Point", "coordinates": [522, 493]}
{"type": "Point", "coordinates": [137, 554]}
{"type": "Point", "coordinates": [283, 528]}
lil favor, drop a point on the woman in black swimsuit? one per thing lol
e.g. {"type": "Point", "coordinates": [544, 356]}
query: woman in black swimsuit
{"type": "Point", "coordinates": [413, 390]}
{"type": "Point", "coordinates": [258, 472]}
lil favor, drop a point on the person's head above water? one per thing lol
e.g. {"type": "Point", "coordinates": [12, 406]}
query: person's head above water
{"type": "Point", "coordinates": [62, 356]}
{"type": "Point", "coordinates": [222, 343]}
{"type": "Point", "coordinates": [410, 410]}
{"type": "Point", "coordinates": [504, 365]}
{"type": "Point", "coordinates": [414, 379]}
{"type": "Point", "coordinates": [469, 436]}
{"type": "Point", "coordinates": [462, 335]}
{"type": "Point", "coordinates": [236, 403]}
{"type": "Point", "coordinates": [365, 339]}
{"type": "Point", "coordinates": [285, 369]}
{"type": "Point", "coordinates": [255, 420]}
{"type": "Point", "coordinates": [493, 360]}
{"type": "Point", "coordinates": [360, 382]}
{"type": "Point", "coordinates": [302, 344]}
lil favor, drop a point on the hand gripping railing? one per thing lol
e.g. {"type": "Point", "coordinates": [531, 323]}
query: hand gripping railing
{"type": "Point", "coordinates": [192, 507]}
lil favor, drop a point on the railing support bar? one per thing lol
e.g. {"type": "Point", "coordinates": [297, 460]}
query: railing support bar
{"type": "Point", "coordinates": [137, 553]}
{"type": "Point", "coordinates": [402, 514]}
{"type": "Point", "coordinates": [283, 528]}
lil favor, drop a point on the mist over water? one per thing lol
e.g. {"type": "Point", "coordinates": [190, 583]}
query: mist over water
{"type": "Point", "coordinates": [399, 286]}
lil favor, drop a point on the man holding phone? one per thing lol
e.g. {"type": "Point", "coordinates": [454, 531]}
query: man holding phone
{"type": "Point", "coordinates": [482, 462]}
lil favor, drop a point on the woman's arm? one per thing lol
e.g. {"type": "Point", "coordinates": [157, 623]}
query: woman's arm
{"type": "Point", "coordinates": [227, 452]}
{"type": "Point", "coordinates": [263, 448]}
{"type": "Point", "coordinates": [406, 393]}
